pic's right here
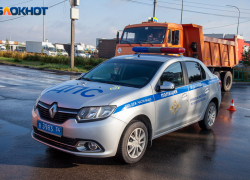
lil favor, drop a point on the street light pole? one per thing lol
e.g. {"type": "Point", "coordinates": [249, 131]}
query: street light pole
{"type": "Point", "coordinates": [43, 26]}
{"type": "Point", "coordinates": [182, 11]}
{"type": "Point", "coordinates": [238, 18]}
{"type": "Point", "coordinates": [72, 55]}
{"type": "Point", "coordinates": [155, 3]}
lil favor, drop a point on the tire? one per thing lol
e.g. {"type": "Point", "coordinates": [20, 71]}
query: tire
{"type": "Point", "coordinates": [209, 117]}
{"type": "Point", "coordinates": [226, 80]}
{"type": "Point", "coordinates": [217, 73]}
{"type": "Point", "coordinates": [133, 153]}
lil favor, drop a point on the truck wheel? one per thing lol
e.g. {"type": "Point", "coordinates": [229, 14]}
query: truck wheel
{"type": "Point", "coordinates": [217, 73]}
{"type": "Point", "coordinates": [209, 118]}
{"type": "Point", "coordinates": [133, 143]}
{"type": "Point", "coordinates": [227, 80]}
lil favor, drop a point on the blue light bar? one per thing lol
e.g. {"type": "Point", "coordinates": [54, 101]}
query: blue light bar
{"type": "Point", "coordinates": [140, 49]}
{"type": "Point", "coordinates": [168, 50]}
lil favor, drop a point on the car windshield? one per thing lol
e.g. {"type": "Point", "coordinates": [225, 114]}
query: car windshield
{"type": "Point", "coordinates": [134, 73]}
{"type": "Point", "coordinates": [52, 49]}
{"type": "Point", "coordinates": [144, 35]}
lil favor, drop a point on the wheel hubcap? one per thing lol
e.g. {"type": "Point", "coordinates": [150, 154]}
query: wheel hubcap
{"type": "Point", "coordinates": [211, 115]}
{"type": "Point", "coordinates": [136, 143]}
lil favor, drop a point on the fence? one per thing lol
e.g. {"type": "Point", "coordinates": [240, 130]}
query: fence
{"type": "Point", "coordinates": [241, 74]}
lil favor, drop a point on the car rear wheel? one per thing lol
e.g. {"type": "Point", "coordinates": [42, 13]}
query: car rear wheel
{"type": "Point", "coordinates": [209, 118]}
{"type": "Point", "coordinates": [133, 143]}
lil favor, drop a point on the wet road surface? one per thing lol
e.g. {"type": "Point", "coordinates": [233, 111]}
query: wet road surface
{"type": "Point", "coordinates": [189, 153]}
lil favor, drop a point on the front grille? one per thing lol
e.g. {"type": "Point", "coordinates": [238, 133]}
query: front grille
{"type": "Point", "coordinates": [60, 117]}
{"type": "Point", "coordinates": [62, 142]}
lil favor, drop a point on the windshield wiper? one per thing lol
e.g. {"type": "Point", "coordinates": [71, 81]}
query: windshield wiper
{"type": "Point", "coordinates": [147, 42]}
{"type": "Point", "coordinates": [127, 42]}
{"type": "Point", "coordinates": [138, 42]}
{"type": "Point", "coordinates": [116, 83]}
{"type": "Point", "coordinates": [87, 79]}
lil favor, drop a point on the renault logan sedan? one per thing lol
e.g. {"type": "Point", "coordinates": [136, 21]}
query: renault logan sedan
{"type": "Point", "coordinates": [120, 106]}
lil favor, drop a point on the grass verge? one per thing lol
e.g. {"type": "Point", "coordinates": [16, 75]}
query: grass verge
{"type": "Point", "coordinates": [39, 64]}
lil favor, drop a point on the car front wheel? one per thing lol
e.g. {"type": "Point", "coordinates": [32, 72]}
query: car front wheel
{"type": "Point", "coordinates": [209, 118]}
{"type": "Point", "coordinates": [133, 143]}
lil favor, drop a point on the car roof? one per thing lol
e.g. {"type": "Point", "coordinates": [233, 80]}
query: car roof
{"type": "Point", "coordinates": [148, 57]}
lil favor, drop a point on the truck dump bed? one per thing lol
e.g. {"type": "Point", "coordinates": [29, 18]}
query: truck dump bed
{"type": "Point", "coordinates": [212, 52]}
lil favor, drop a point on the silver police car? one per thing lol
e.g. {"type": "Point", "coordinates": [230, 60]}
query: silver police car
{"type": "Point", "coordinates": [120, 106]}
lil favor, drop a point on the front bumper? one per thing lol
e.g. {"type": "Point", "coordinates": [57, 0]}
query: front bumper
{"type": "Point", "coordinates": [106, 133]}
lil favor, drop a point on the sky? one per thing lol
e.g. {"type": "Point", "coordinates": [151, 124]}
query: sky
{"type": "Point", "coordinates": [102, 18]}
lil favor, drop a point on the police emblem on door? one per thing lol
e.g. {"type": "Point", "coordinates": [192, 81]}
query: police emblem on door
{"type": "Point", "coordinates": [175, 107]}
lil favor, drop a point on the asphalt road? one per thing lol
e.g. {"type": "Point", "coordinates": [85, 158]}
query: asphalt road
{"type": "Point", "coordinates": [189, 153]}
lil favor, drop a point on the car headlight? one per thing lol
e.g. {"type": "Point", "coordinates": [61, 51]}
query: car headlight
{"type": "Point", "coordinates": [37, 100]}
{"type": "Point", "coordinates": [95, 113]}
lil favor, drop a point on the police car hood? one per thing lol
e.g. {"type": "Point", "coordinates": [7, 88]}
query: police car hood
{"type": "Point", "coordinates": [78, 93]}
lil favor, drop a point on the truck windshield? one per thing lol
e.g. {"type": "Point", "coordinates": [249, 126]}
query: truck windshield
{"type": "Point", "coordinates": [144, 35]}
{"type": "Point", "coordinates": [52, 49]}
{"type": "Point", "coordinates": [61, 50]}
{"type": "Point", "coordinates": [79, 51]}
{"type": "Point", "coordinates": [124, 72]}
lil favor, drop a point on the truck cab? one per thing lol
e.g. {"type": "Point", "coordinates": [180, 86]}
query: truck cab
{"type": "Point", "coordinates": [2, 48]}
{"type": "Point", "coordinates": [60, 50]}
{"type": "Point", "coordinates": [150, 34]}
{"type": "Point", "coordinates": [49, 49]}
{"type": "Point", "coordinates": [79, 51]}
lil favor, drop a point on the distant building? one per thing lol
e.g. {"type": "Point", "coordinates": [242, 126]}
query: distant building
{"type": "Point", "coordinates": [14, 45]}
{"type": "Point", "coordinates": [242, 44]}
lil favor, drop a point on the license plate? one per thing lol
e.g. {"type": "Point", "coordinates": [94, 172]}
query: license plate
{"type": "Point", "coordinates": [49, 128]}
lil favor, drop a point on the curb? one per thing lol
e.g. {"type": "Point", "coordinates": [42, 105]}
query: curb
{"type": "Point", "coordinates": [43, 69]}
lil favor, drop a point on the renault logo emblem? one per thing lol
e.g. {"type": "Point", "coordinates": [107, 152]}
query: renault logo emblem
{"type": "Point", "coordinates": [53, 110]}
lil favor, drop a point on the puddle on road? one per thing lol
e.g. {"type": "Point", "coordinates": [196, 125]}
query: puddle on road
{"type": "Point", "coordinates": [7, 133]}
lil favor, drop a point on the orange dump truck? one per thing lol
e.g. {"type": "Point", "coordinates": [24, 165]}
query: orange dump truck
{"type": "Point", "coordinates": [220, 56]}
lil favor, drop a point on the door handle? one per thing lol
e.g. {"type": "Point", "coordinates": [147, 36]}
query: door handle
{"type": "Point", "coordinates": [184, 96]}
{"type": "Point", "coordinates": [206, 90]}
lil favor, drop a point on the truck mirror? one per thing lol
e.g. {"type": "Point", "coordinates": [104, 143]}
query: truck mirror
{"type": "Point", "coordinates": [194, 46]}
{"type": "Point", "coordinates": [176, 34]}
{"type": "Point", "coordinates": [176, 37]}
{"type": "Point", "coordinates": [175, 42]}
{"type": "Point", "coordinates": [117, 37]}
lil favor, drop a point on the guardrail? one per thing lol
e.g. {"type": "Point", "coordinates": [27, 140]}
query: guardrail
{"type": "Point", "coordinates": [241, 74]}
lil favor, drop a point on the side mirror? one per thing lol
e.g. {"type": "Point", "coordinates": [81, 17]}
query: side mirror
{"type": "Point", "coordinates": [117, 37]}
{"type": "Point", "coordinates": [167, 86]}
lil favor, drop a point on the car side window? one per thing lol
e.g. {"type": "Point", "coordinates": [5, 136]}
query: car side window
{"type": "Point", "coordinates": [173, 74]}
{"type": "Point", "coordinates": [195, 72]}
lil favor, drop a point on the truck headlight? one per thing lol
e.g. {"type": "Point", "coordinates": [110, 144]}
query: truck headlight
{"type": "Point", "coordinates": [95, 113]}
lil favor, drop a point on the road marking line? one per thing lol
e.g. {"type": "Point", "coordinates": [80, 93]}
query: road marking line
{"type": "Point", "coordinates": [2, 86]}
